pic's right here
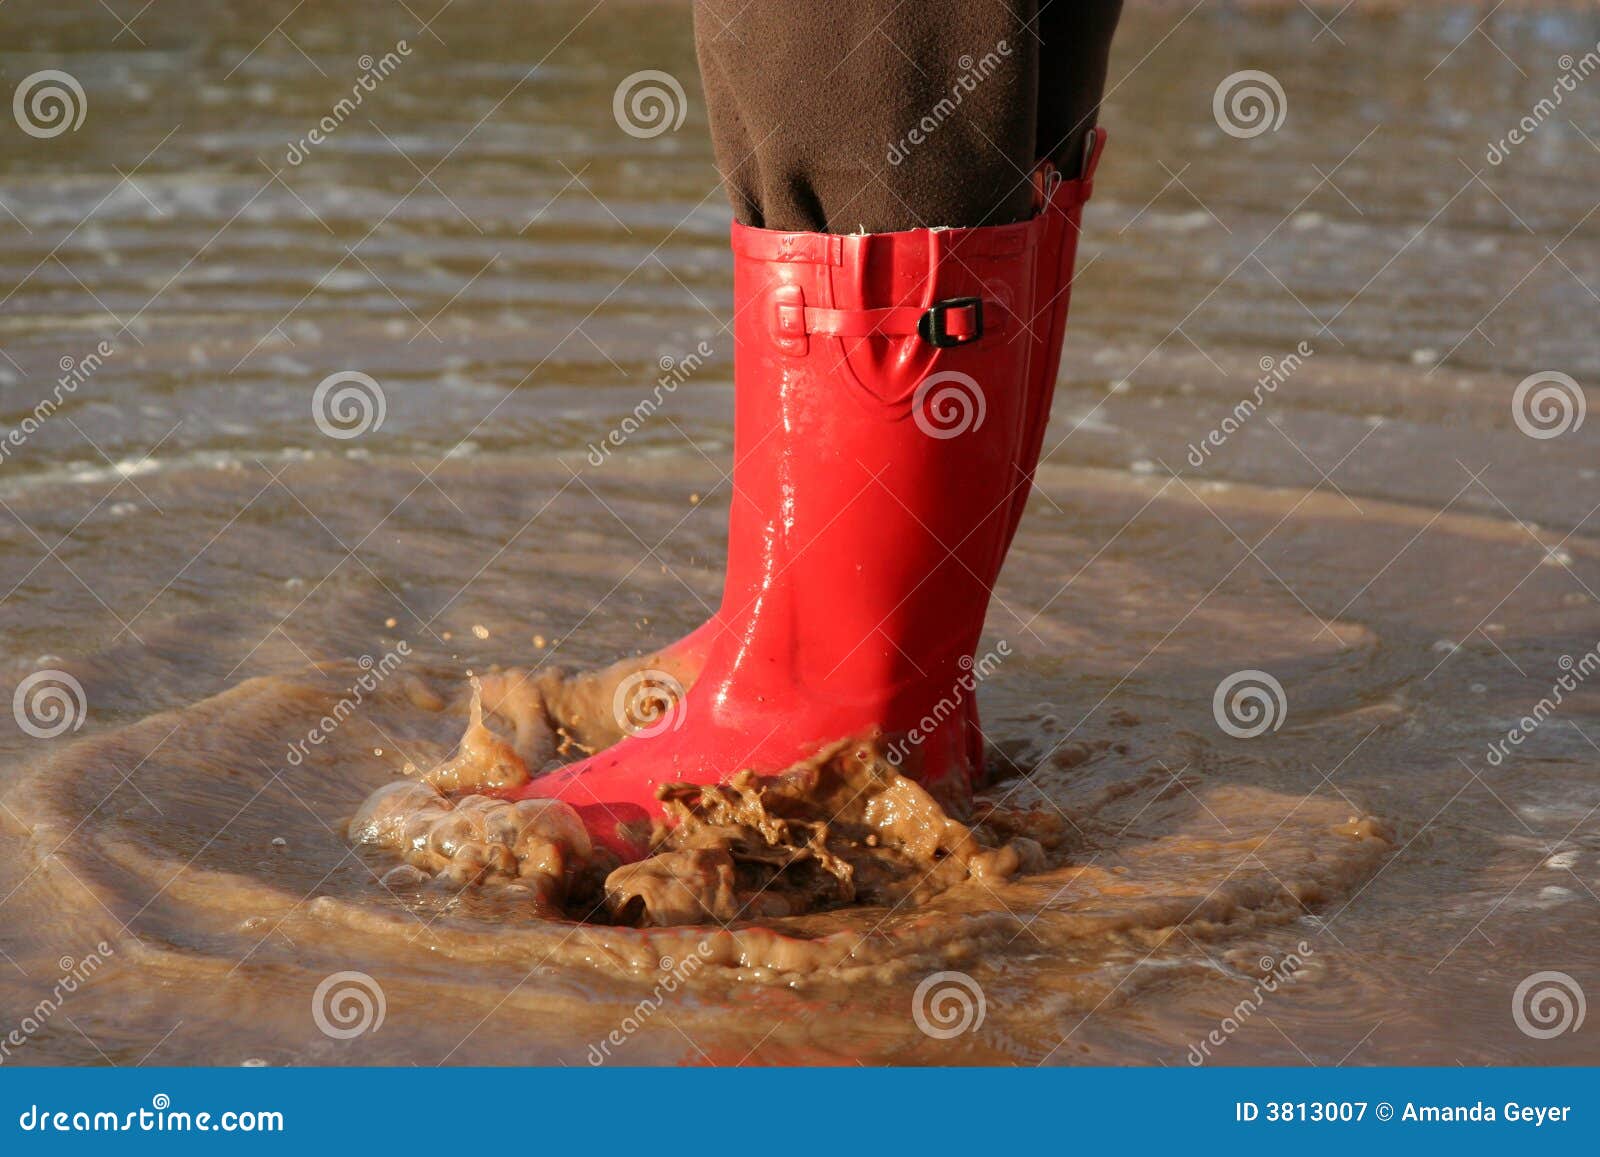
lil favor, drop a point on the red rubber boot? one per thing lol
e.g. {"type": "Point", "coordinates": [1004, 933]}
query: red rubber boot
{"type": "Point", "coordinates": [1059, 212]}
{"type": "Point", "coordinates": [881, 384]}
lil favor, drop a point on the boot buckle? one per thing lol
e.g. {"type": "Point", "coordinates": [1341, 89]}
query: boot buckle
{"type": "Point", "coordinates": [788, 320]}
{"type": "Point", "coordinates": [935, 324]}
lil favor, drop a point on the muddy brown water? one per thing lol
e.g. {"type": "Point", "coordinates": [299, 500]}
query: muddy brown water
{"type": "Point", "coordinates": [1361, 882]}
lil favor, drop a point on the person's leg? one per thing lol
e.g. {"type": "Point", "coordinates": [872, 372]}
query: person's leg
{"type": "Point", "coordinates": [1075, 38]}
{"type": "Point", "coordinates": [898, 273]}
{"type": "Point", "coordinates": [871, 116]}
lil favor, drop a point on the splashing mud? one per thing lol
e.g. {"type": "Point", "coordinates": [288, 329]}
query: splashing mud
{"type": "Point", "coordinates": [842, 867]}
{"type": "Point", "coordinates": [841, 828]}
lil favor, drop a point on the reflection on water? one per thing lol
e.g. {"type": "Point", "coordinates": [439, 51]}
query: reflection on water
{"type": "Point", "coordinates": [1375, 531]}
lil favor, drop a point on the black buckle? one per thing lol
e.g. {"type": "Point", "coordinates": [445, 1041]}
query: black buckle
{"type": "Point", "coordinates": [932, 324]}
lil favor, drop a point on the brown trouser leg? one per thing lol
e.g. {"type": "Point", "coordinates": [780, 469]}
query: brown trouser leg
{"type": "Point", "coordinates": [878, 115]}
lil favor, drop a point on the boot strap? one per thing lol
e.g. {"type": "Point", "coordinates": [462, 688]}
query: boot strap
{"type": "Point", "coordinates": [952, 322]}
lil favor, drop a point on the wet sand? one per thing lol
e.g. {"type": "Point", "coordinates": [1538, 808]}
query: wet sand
{"type": "Point", "coordinates": [269, 623]}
